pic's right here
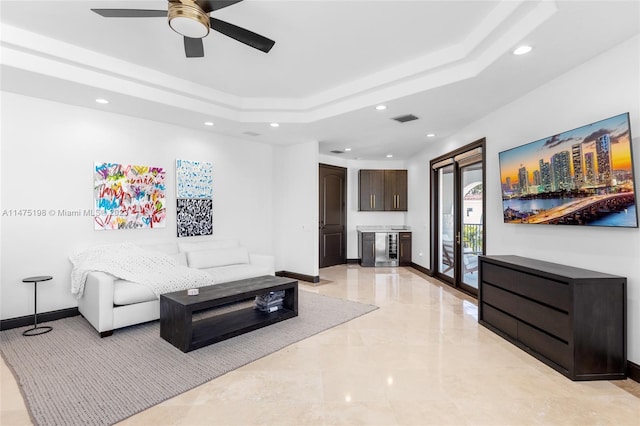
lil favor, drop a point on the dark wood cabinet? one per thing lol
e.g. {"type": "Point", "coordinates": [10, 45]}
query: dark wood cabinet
{"type": "Point", "coordinates": [405, 248]}
{"type": "Point", "coordinates": [395, 190]}
{"type": "Point", "coordinates": [382, 190]}
{"type": "Point", "coordinates": [367, 246]}
{"type": "Point", "coordinates": [371, 190]}
{"type": "Point", "coordinates": [572, 319]}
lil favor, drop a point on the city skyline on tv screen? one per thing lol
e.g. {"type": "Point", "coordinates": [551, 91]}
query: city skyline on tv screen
{"type": "Point", "coordinates": [583, 176]}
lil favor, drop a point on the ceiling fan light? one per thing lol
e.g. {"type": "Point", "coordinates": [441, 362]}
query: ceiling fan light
{"type": "Point", "coordinates": [188, 20]}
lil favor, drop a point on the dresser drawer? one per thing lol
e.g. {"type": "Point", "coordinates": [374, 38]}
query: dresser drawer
{"type": "Point", "coordinates": [553, 321]}
{"type": "Point", "coordinates": [552, 293]}
{"type": "Point", "coordinates": [500, 320]}
{"type": "Point", "coordinates": [554, 349]}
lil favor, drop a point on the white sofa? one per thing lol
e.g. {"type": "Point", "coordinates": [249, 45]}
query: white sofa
{"type": "Point", "coordinates": [109, 303]}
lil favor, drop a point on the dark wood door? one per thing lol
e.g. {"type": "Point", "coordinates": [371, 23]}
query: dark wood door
{"type": "Point", "coordinates": [371, 189]}
{"type": "Point", "coordinates": [333, 215]}
{"type": "Point", "coordinates": [395, 190]}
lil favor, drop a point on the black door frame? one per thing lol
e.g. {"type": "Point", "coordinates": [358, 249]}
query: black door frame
{"type": "Point", "coordinates": [456, 281]}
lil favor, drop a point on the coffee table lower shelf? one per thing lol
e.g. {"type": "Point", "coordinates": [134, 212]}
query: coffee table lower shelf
{"type": "Point", "coordinates": [176, 311]}
{"type": "Point", "coordinates": [225, 326]}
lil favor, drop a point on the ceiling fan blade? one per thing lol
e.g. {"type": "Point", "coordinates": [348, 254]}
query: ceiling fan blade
{"type": "Point", "coordinates": [211, 5]}
{"type": "Point", "coordinates": [243, 36]}
{"type": "Point", "coordinates": [193, 47]}
{"type": "Point", "coordinates": [131, 13]}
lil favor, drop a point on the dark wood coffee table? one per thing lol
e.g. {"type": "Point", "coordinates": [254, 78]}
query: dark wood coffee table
{"type": "Point", "coordinates": [176, 310]}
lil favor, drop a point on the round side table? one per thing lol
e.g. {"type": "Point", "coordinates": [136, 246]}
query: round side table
{"type": "Point", "coordinates": [35, 330]}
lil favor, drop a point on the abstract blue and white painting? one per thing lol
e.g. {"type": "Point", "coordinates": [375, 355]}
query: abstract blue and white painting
{"type": "Point", "coordinates": [194, 179]}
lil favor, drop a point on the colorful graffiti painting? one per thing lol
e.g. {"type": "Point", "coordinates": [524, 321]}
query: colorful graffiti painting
{"type": "Point", "coordinates": [128, 196]}
{"type": "Point", "coordinates": [195, 217]}
{"type": "Point", "coordinates": [194, 179]}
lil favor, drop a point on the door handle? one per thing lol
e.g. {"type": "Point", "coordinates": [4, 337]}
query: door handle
{"type": "Point", "coordinates": [458, 238]}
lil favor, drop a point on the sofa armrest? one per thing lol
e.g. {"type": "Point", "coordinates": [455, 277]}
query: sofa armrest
{"type": "Point", "coordinates": [264, 260]}
{"type": "Point", "coordinates": [96, 303]}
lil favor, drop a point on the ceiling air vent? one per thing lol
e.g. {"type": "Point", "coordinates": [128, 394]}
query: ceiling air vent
{"type": "Point", "coordinates": [405, 118]}
{"type": "Point", "coordinates": [335, 151]}
{"type": "Point", "coordinates": [251, 133]}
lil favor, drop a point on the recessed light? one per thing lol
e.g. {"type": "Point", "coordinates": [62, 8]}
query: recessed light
{"type": "Point", "coordinates": [521, 50]}
{"type": "Point", "coordinates": [430, 135]}
{"type": "Point", "coordinates": [208, 123]}
{"type": "Point", "coordinates": [381, 107]}
{"type": "Point", "coordinates": [347, 149]}
{"type": "Point", "coordinates": [389, 156]}
{"type": "Point", "coordinates": [102, 101]}
{"type": "Point", "coordinates": [274, 125]}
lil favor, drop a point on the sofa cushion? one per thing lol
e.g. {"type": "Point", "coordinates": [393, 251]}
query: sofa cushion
{"type": "Point", "coordinates": [207, 245]}
{"type": "Point", "coordinates": [167, 248]}
{"type": "Point", "coordinates": [224, 274]}
{"type": "Point", "coordinates": [181, 258]}
{"type": "Point", "coordinates": [217, 257]}
{"type": "Point", "coordinates": [127, 292]}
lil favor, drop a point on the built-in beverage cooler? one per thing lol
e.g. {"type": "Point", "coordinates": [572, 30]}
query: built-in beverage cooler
{"type": "Point", "coordinates": [386, 249]}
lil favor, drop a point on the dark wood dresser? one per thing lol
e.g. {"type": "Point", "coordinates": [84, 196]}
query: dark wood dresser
{"type": "Point", "coordinates": [572, 319]}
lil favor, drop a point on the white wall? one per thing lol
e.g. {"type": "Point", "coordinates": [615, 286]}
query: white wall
{"type": "Point", "coordinates": [605, 86]}
{"type": "Point", "coordinates": [48, 151]}
{"type": "Point", "coordinates": [296, 208]}
{"type": "Point", "coordinates": [418, 215]}
{"type": "Point", "coordinates": [358, 218]}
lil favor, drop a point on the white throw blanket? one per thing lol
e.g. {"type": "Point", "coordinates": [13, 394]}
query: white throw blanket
{"type": "Point", "coordinates": [158, 271]}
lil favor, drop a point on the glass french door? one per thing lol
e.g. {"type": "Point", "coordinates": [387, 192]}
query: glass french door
{"type": "Point", "coordinates": [447, 231]}
{"type": "Point", "coordinates": [458, 216]}
{"type": "Point", "coordinates": [472, 227]}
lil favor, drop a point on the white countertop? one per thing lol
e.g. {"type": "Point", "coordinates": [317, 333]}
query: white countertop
{"type": "Point", "coordinates": [383, 228]}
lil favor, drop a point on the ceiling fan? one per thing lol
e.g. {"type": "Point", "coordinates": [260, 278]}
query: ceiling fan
{"type": "Point", "coordinates": [190, 18]}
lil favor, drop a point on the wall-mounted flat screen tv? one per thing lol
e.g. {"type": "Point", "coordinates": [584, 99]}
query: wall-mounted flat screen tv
{"type": "Point", "coordinates": [582, 176]}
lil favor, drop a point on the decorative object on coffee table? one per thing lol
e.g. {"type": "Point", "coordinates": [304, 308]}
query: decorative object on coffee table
{"type": "Point", "coordinates": [36, 330]}
{"type": "Point", "coordinates": [269, 302]}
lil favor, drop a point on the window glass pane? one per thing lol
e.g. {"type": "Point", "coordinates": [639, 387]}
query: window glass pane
{"type": "Point", "coordinates": [472, 229]}
{"type": "Point", "coordinates": [445, 217]}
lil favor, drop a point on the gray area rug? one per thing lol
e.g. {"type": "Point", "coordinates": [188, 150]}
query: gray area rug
{"type": "Point", "coordinates": [71, 376]}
